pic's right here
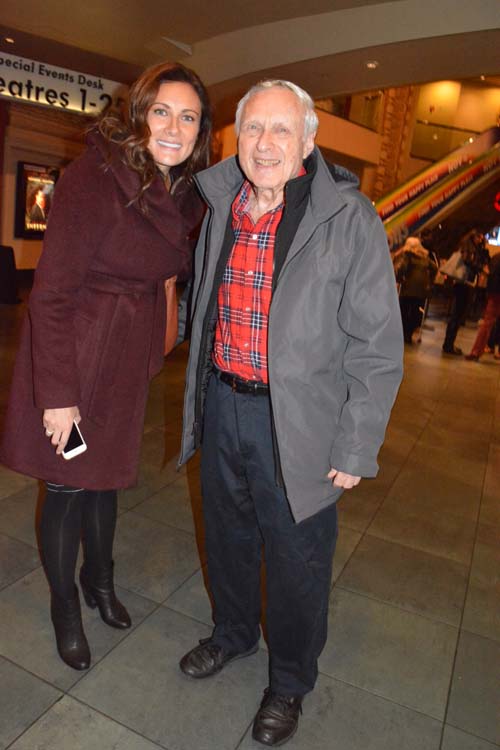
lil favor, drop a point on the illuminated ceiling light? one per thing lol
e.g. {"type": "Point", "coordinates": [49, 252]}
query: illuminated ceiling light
{"type": "Point", "coordinates": [372, 64]}
{"type": "Point", "coordinates": [483, 78]}
{"type": "Point", "coordinates": [471, 140]}
{"type": "Point", "coordinates": [435, 136]}
{"type": "Point", "coordinates": [8, 39]}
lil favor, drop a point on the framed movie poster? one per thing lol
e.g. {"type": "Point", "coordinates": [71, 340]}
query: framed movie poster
{"type": "Point", "coordinates": [34, 190]}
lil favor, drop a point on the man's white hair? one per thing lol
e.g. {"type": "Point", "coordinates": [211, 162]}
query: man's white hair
{"type": "Point", "coordinates": [310, 116]}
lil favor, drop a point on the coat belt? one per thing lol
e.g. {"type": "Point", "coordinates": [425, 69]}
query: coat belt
{"type": "Point", "coordinates": [129, 293]}
{"type": "Point", "coordinates": [114, 285]}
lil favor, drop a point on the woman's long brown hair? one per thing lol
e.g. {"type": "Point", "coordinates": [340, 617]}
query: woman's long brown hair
{"type": "Point", "coordinates": [129, 128]}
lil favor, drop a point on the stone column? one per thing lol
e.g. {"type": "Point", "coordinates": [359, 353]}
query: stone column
{"type": "Point", "coordinates": [397, 130]}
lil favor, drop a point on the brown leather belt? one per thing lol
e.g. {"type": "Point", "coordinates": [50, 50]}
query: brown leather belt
{"type": "Point", "coordinates": [238, 385]}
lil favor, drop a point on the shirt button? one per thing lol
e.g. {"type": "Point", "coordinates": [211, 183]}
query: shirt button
{"type": "Point", "coordinates": [249, 273]}
{"type": "Point", "coordinates": [255, 236]}
{"type": "Point", "coordinates": [247, 309]}
{"type": "Point", "coordinates": [247, 345]}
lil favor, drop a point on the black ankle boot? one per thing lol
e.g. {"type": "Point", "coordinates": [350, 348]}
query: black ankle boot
{"type": "Point", "coordinates": [71, 642]}
{"type": "Point", "coordinates": [101, 593]}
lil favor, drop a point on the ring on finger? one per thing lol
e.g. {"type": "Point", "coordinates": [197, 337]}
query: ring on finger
{"type": "Point", "coordinates": [49, 433]}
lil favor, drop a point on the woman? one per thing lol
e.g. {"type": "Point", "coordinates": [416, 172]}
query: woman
{"type": "Point", "coordinates": [467, 264]}
{"type": "Point", "coordinates": [491, 313]}
{"type": "Point", "coordinates": [415, 272]}
{"type": "Point", "coordinates": [121, 223]}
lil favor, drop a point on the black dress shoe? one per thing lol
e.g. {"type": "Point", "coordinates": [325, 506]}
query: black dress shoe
{"type": "Point", "coordinates": [72, 644]}
{"type": "Point", "coordinates": [208, 658]}
{"type": "Point", "coordinates": [101, 593]}
{"type": "Point", "coordinates": [277, 719]}
{"type": "Point", "coordinates": [453, 350]}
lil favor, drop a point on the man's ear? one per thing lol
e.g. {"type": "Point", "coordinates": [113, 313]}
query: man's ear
{"type": "Point", "coordinates": [308, 146]}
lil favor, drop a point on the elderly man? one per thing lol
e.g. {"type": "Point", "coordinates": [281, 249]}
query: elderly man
{"type": "Point", "coordinates": [294, 366]}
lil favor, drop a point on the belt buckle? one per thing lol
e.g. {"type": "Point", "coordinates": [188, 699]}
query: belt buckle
{"type": "Point", "coordinates": [233, 384]}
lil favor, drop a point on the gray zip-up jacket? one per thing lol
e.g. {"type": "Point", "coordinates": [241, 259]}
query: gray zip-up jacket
{"type": "Point", "coordinates": [335, 342]}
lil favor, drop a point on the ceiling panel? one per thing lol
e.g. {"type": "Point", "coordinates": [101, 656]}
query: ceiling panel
{"type": "Point", "coordinates": [128, 30]}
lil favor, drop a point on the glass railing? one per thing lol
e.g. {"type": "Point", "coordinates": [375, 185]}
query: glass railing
{"type": "Point", "coordinates": [432, 141]}
{"type": "Point", "coordinates": [361, 109]}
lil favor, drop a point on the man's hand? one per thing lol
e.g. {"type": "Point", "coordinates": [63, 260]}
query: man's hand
{"type": "Point", "coordinates": [340, 479]}
{"type": "Point", "coordinates": [58, 424]}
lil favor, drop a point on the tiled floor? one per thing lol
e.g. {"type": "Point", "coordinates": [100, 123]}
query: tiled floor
{"type": "Point", "coordinates": [413, 658]}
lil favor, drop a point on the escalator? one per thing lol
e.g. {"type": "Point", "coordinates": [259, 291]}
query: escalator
{"type": "Point", "coordinates": [445, 187]}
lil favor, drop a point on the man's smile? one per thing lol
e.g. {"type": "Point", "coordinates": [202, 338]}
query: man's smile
{"type": "Point", "coordinates": [267, 162]}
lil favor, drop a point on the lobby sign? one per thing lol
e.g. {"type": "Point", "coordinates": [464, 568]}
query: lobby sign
{"type": "Point", "coordinates": [36, 82]}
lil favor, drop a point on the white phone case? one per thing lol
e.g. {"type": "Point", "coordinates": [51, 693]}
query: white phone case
{"type": "Point", "coordinates": [79, 448]}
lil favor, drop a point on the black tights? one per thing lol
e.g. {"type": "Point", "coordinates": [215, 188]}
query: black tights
{"type": "Point", "coordinates": [67, 516]}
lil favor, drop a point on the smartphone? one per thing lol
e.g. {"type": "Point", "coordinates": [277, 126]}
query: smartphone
{"type": "Point", "coordinates": [75, 445]}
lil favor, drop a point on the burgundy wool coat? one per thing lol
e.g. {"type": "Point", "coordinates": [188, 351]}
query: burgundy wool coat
{"type": "Point", "coordinates": [95, 328]}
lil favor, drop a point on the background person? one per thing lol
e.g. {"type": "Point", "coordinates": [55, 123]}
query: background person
{"type": "Point", "coordinates": [493, 346]}
{"type": "Point", "coordinates": [492, 311]}
{"type": "Point", "coordinates": [299, 392]}
{"type": "Point", "coordinates": [470, 262]}
{"type": "Point", "coordinates": [119, 226]}
{"type": "Point", "coordinates": [415, 272]}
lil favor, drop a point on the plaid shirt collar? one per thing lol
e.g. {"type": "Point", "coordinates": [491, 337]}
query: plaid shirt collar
{"type": "Point", "coordinates": [240, 203]}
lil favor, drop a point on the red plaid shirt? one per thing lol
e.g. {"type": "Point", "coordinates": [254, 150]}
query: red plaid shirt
{"type": "Point", "coordinates": [244, 298]}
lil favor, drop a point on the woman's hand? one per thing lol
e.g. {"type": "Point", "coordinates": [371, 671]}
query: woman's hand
{"type": "Point", "coordinates": [58, 424]}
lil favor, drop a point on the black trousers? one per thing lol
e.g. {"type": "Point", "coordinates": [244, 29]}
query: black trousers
{"type": "Point", "coordinates": [494, 339]}
{"type": "Point", "coordinates": [411, 315]}
{"type": "Point", "coordinates": [246, 514]}
{"type": "Point", "coordinates": [457, 316]}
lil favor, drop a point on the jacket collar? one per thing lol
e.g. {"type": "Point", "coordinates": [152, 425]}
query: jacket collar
{"type": "Point", "coordinates": [173, 219]}
{"type": "Point", "coordinates": [220, 184]}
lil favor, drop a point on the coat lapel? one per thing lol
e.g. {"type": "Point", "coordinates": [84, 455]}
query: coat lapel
{"type": "Point", "coordinates": [325, 201]}
{"type": "Point", "coordinates": [219, 185]}
{"type": "Point", "coordinates": [161, 209]}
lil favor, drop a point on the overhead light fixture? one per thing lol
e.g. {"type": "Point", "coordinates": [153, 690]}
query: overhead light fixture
{"type": "Point", "coordinates": [483, 78]}
{"type": "Point", "coordinates": [471, 140]}
{"type": "Point", "coordinates": [8, 39]}
{"type": "Point", "coordinates": [372, 64]}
